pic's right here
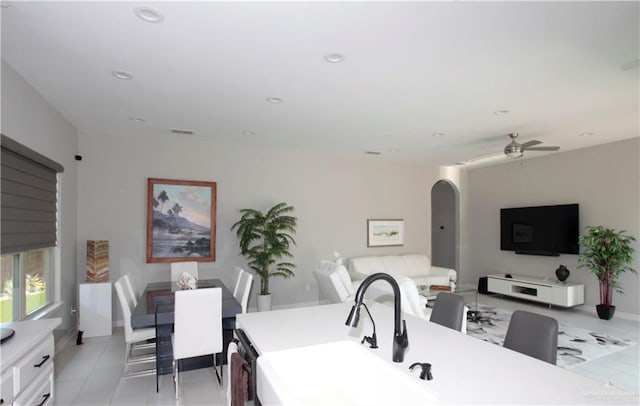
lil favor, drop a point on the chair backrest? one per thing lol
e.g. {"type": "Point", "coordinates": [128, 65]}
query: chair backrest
{"type": "Point", "coordinates": [329, 283]}
{"type": "Point", "coordinates": [534, 335]}
{"type": "Point", "coordinates": [132, 292]}
{"type": "Point", "coordinates": [242, 296]}
{"type": "Point", "coordinates": [178, 268]}
{"type": "Point", "coordinates": [410, 298]}
{"type": "Point", "coordinates": [125, 304]}
{"type": "Point", "coordinates": [448, 310]}
{"type": "Point", "coordinates": [198, 322]}
{"type": "Point", "coordinates": [231, 349]}
{"type": "Point", "coordinates": [238, 272]}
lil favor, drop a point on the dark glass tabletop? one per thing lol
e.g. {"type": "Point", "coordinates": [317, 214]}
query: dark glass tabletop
{"type": "Point", "coordinates": [160, 295]}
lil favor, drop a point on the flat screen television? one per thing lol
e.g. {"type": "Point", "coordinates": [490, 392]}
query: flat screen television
{"type": "Point", "coordinates": [540, 230]}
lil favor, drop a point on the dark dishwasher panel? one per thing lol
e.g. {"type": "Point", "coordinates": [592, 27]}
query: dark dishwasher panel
{"type": "Point", "coordinates": [249, 353]}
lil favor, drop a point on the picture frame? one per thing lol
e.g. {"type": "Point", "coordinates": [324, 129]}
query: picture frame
{"type": "Point", "coordinates": [385, 232]}
{"type": "Point", "coordinates": [181, 220]}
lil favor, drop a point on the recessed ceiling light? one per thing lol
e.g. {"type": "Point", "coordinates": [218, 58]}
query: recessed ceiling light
{"type": "Point", "coordinates": [137, 119]}
{"type": "Point", "coordinates": [438, 134]}
{"type": "Point", "coordinates": [394, 150]}
{"type": "Point", "coordinates": [122, 75]}
{"type": "Point", "coordinates": [249, 132]}
{"type": "Point", "coordinates": [586, 134]}
{"type": "Point", "coordinates": [373, 152]}
{"type": "Point", "coordinates": [148, 14]}
{"type": "Point", "coordinates": [631, 65]}
{"type": "Point", "coordinates": [274, 100]}
{"type": "Point", "coordinates": [334, 57]}
{"type": "Point", "coordinates": [501, 112]}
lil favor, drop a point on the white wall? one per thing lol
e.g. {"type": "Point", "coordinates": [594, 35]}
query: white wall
{"type": "Point", "coordinates": [29, 119]}
{"type": "Point", "coordinates": [333, 198]}
{"type": "Point", "coordinates": [604, 180]}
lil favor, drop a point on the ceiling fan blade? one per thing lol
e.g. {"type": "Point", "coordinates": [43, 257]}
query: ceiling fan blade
{"type": "Point", "coordinates": [542, 149]}
{"type": "Point", "coordinates": [530, 143]}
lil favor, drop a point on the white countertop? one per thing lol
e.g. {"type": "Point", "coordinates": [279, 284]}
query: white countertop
{"type": "Point", "coordinates": [27, 334]}
{"type": "Point", "coordinates": [465, 370]}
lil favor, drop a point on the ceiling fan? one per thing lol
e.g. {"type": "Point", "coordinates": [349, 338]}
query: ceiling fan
{"type": "Point", "coordinates": [514, 150]}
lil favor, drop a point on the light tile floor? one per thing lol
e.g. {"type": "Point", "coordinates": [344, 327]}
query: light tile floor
{"type": "Point", "coordinates": [91, 374]}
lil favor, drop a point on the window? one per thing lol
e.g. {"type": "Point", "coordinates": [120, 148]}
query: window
{"type": "Point", "coordinates": [28, 231]}
{"type": "Point", "coordinates": [26, 283]}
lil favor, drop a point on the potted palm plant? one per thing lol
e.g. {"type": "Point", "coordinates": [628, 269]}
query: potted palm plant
{"type": "Point", "coordinates": [265, 239]}
{"type": "Point", "coordinates": [607, 254]}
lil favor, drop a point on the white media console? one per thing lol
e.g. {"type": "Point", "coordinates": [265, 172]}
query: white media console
{"type": "Point", "coordinates": [537, 289]}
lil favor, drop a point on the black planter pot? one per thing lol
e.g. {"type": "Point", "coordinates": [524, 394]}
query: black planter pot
{"type": "Point", "coordinates": [605, 312]}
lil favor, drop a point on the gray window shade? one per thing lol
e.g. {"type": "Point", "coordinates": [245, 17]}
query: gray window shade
{"type": "Point", "coordinates": [28, 198]}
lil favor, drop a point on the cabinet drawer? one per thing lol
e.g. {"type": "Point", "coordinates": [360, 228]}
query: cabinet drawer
{"type": "Point", "coordinates": [40, 391]}
{"type": "Point", "coordinates": [33, 363]}
{"type": "Point", "coordinates": [6, 388]}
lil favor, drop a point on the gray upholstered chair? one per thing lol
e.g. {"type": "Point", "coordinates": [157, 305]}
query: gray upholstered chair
{"type": "Point", "coordinates": [534, 335]}
{"type": "Point", "coordinates": [448, 310]}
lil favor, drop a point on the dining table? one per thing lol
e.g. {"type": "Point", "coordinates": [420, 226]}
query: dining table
{"type": "Point", "coordinates": [155, 309]}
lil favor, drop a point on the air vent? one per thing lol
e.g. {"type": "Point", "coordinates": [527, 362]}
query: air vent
{"type": "Point", "coordinates": [181, 132]}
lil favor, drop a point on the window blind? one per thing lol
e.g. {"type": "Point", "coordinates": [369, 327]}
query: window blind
{"type": "Point", "coordinates": [28, 198]}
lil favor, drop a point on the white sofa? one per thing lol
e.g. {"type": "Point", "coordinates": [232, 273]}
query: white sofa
{"type": "Point", "coordinates": [416, 266]}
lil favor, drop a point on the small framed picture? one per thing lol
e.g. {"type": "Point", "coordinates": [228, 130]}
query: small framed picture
{"type": "Point", "coordinates": [385, 233]}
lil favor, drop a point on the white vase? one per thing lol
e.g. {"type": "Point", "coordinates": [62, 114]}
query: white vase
{"type": "Point", "coordinates": [264, 303]}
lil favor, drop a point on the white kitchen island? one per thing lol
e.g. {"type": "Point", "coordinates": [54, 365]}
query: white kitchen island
{"type": "Point", "coordinates": [465, 370]}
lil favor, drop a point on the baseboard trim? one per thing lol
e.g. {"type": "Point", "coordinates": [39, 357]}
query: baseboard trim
{"type": "Point", "coordinates": [64, 340]}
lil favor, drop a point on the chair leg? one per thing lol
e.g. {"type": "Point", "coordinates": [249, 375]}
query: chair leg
{"type": "Point", "coordinates": [175, 376]}
{"type": "Point", "coordinates": [216, 369]}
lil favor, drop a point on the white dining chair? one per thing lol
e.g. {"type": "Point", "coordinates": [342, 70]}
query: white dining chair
{"type": "Point", "coordinates": [178, 268]}
{"type": "Point", "coordinates": [242, 294]}
{"type": "Point", "coordinates": [238, 272]}
{"type": "Point", "coordinates": [197, 332]}
{"type": "Point", "coordinates": [130, 287]}
{"type": "Point", "coordinates": [134, 337]}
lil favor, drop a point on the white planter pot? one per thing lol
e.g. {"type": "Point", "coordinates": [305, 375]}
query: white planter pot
{"type": "Point", "coordinates": [264, 303]}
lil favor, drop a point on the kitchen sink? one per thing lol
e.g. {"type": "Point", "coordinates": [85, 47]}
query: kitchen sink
{"type": "Point", "coordinates": [337, 373]}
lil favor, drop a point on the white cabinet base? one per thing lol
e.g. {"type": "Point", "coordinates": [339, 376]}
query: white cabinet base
{"type": "Point", "coordinates": [537, 289]}
{"type": "Point", "coordinates": [95, 309]}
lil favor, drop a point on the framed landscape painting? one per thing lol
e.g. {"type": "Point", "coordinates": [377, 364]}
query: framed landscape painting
{"type": "Point", "coordinates": [385, 233]}
{"type": "Point", "coordinates": [181, 220]}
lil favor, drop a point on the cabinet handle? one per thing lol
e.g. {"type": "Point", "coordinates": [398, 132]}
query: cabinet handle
{"type": "Point", "coordinates": [44, 359]}
{"type": "Point", "coordinates": [45, 399]}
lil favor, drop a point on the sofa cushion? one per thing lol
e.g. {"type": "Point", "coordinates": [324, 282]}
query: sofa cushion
{"type": "Point", "coordinates": [394, 264]}
{"type": "Point", "coordinates": [366, 265]}
{"type": "Point", "coordinates": [416, 265]}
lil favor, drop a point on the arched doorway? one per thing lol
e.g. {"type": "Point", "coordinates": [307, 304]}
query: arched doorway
{"type": "Point", "coordinates": [444, 224]}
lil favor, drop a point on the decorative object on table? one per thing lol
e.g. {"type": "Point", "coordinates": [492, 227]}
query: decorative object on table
{"type": "Point", "coordinates": [97, 261]}
{"type": "Point", "coordinates": [440, 288]}
{"type": "Point", "coordinates": [575, 345]}
{"type": "Point", "coordinates": [607, 254]}
{"type": "Point", "coordinates": [265, 238]}
{"type": "Point", "coordinates": [385, 233]}
{"type": "Point", "coordinates": [187, 281]}
{"type": "Point", "coordinates": [181, 220]}
{"type": "Point", "coordinates": [562, 273]}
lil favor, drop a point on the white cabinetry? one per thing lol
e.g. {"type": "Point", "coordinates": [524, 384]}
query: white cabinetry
{"type": "Point", "coordinates": [95, 309]}
{"type": "Point", "coordinates": [27, 363]}
{"type": "Point", "coordinates": [537, 289]}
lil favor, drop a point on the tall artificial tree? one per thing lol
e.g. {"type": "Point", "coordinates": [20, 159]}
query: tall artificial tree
{"type": "Point", "coordinates": [265, 239]}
